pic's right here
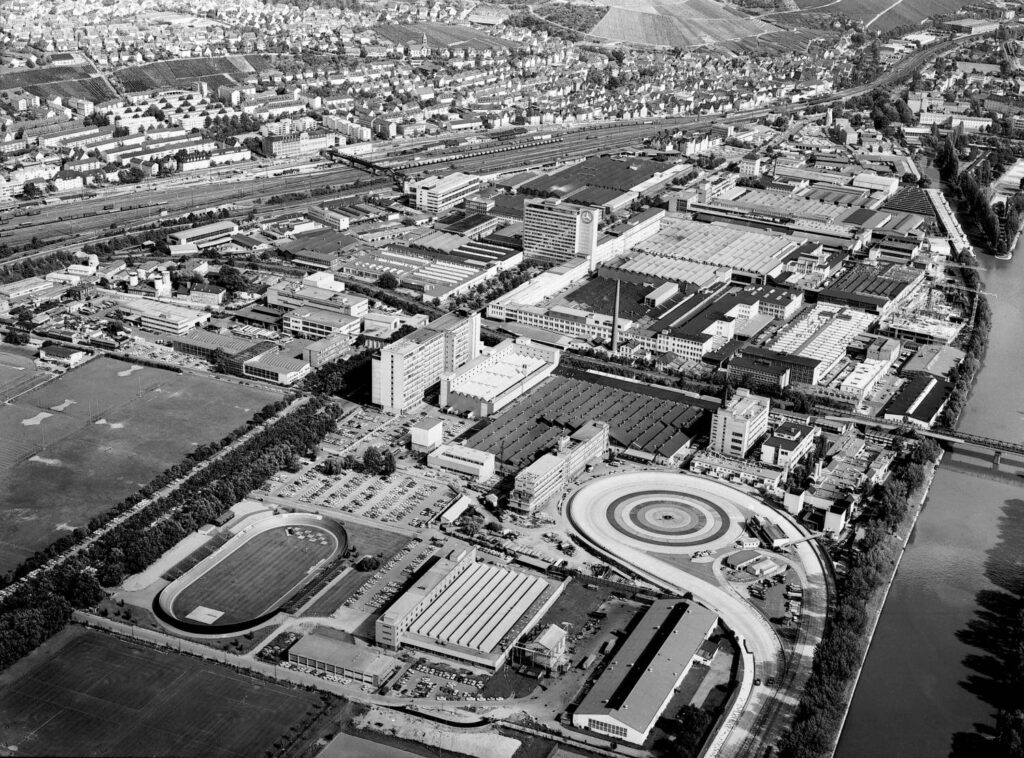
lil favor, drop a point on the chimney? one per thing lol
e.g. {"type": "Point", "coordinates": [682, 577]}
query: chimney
{"type": "Point", "coordinates": [615, 318]}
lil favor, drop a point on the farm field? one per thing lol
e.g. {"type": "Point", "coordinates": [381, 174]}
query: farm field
{"type": "Point", "coordinates": [687, 23]}
{"type": "Point", "coordinates": [907, 12]}
{"type": "Point", "coordinates": [442, 35]}
{"type": "Point", "coordinates": [258, 576]}
{"type": "Point", "coordinates": [87, 693]}
{"type": "Point", "coordinates": [182, 72]}
{"type": "Point", "coordinates": [76, 446]}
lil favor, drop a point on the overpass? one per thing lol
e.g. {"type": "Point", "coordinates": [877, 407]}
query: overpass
{"type": "Point", "coordinates": [998, 447]}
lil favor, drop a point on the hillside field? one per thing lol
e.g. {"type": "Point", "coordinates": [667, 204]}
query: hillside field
{"type": "Point", "coordinates": [686, 23]}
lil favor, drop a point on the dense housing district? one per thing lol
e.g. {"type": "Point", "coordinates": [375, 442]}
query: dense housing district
{"type": "Point", "coordinates": [424, 377]}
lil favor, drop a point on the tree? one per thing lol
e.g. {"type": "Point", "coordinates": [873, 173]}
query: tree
{"type": "Point", "coordinates": [231, 279]}
{"type": "Point", "coordinates": [387, 281]}
{"type": "Point", "coordinates": [31, 190]}
{"type": "Point", "coordinates": [373, 460]}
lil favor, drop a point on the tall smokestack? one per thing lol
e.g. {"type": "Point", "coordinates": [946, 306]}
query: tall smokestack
{"type": "Point", "coordinates": [615, 318]}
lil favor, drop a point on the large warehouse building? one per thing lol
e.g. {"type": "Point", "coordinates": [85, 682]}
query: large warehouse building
{"type": "Point", "coordinates": [638, 684]}
{"type": "Point", "coordinates": [462, 609]}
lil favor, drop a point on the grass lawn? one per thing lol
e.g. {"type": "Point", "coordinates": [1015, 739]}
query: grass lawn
{"type": "Point", "coordinates": [87, 693]}
{"type": "Point", "coordinates": [259, 575]}
{"type": "Point", "coordinates": [76, 446]}
{"type": "Point", "coordinates": [368, 540]}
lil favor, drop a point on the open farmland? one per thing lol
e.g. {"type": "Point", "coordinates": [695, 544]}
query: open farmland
{"type": "Point", "coordinates": [258, 576]}
{"type": "Point", "coordinates": [442, 35]}
{"type": "Point", "coordinates": [86, 693]}
{"type": "Point", "coordinates": [184, 71]}
{"type": "Point", "coordinates": [906, 12]}
{"type": "Point", "coordinates": [76, 446]}
{"type": "Point", "coordinates": [687, 23]}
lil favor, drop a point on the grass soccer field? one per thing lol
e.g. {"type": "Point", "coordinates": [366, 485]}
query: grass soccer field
{"type": "Point", "coordinates": [256, 577]}
{"type": "Point", "coordinates": [87, 693]}
{"type": "Point", "coordinates": [74, 447]}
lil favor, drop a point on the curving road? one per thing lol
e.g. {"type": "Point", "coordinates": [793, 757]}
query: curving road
{"type": "Point", "coordinates": [745, 730]}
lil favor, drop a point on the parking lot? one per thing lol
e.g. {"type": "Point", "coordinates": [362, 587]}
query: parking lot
{"type": "Point", "coordinates": [381, 587]}
{"type": "Point", "coordinates": [440, 681]}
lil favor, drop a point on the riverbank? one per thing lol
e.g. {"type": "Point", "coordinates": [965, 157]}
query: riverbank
{"type": "Point", "coordinates": [877, 603]}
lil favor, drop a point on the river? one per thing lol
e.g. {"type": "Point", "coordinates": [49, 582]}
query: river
{"type": "Point", "coordinates": [926, 684]}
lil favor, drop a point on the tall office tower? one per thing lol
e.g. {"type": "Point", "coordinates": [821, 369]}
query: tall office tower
{"type": "Point", "coordinates": [739, 424]}
{"type": "Point", "coordinates": [405, 369]}
{"type": "Point", "coordinates": [556, 231]}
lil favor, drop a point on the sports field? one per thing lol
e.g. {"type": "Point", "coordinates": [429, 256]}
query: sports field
{"type": "Point", "coordinates": [87, 693]}
{"type": "Point", "coordinates": [76, 446]}
{"type": "Point", "coordinates": [257, 577]}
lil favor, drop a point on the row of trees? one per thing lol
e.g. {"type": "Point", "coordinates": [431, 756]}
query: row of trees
{"type": "Point", "coordinates": [839, 655]}
{"type": "Point", "coordinates": [974, 348]}
{"type": "Point", "coordinates": [25, 269]}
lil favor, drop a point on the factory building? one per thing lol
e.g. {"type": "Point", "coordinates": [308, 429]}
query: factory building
{"type": "Point", "coordinates": [636, 687]}
{"type": "Point", "coordinates": [494, 379]}
{"type": "Point", "coordinates": [463, 609]}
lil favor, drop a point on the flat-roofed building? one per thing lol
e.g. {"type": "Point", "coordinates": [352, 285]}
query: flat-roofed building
{"type": "Point", "coordinates": [460, 459]}
{"type": "Point", "coordinates": [163, 317]}
{"type": "Point", "coordinates": [557, 231]}
{"type": "Point", "coordinates": [206, 236]}
{"type": "Point", "coordinates": [321, 652]}
{"type": "Point", "coordinates": [405, 369]}
{"type": "Point", "coordinates": [824, 332]}
{"type": "Point", "coordinates": [323, 351]}
{"type": "Point", "coordinates": [317, 323]}
{"type": "Point", "coordinates": [276, 367]}
{"type": "Point", "coordinates": [495, 378]}
{"type": "Point", "coordinates": [545, 478]}
{"type": "Point", "coordinates": [787, 444]}
{"type": "Point", "coordinates": [426, 435]}
{"type": "Point", "coordinates": [436, 194]}
{"type": "Point", "coordinates": [752, 256]}
{"type": "Point", "coordinates": [738, 425]}
{"type": "Point", "coordinates": [638, 683]}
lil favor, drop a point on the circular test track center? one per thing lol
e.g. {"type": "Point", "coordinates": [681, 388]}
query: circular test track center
{"type": "Point", "coordinates": [658, 512]}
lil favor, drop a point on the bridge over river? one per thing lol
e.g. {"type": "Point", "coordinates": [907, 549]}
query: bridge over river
{"type": "Point", "coordinates": [998, 447]}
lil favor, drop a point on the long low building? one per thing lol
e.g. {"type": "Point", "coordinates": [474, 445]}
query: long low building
{"type": "Point", "coordinates": [163, 317]}
{"type": "Point", "coordinates": [460, 608]}
{"type": "Point", "coordinates": [323, 653]}
{"type": "Point", "coordinates": [636, 687]}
